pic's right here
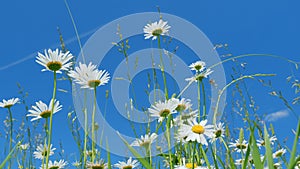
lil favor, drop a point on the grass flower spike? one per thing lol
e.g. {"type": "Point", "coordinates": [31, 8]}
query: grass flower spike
{"type": "Point", "coordinates": [88, 76]}
{"type": "Point", "coordinates": [55, 61]}
{"type": "Point", "coordinates": [155, 29]}
{"type": "Point", "coordinates": [41, 110]}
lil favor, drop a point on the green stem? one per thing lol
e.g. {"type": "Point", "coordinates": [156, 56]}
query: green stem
{"type": "Point", "coordinates": [162, 69]}
{"type": "Point", "coordinates": [168, 124]}
{"type": "Point", "coordinates": [11, 134]}
{"type": "Point", "coordinates": [85, 130]}
{"type": "Point", "coordinates": [199, 100]}
{"type": "Point", "coordinates": [51, 120]}
{"type": "Point", "coordinates": [204, 100]}
{"type": "Point", "coordinates": [93, 126]}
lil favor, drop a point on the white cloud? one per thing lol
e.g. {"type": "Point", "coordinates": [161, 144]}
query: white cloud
{"type": "Point", "coordinates": [277, 115]}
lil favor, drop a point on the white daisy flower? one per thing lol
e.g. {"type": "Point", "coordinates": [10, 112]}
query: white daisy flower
{"type": "Point", "coordinates": [96, 165]}
{"type": "Point", "coordinates": [200, 76]}
{"type": "Point", "coordinates": [55, 61]}
{"type": "Point", "coordinates": [9, 103]}
{"type": "Point", "coordinates": [76, 163]}
{"type": "Point", "coordinates": [183, 104]}
{"type": "Point", "coordinates": [41, 110]}
{"type": "Point", "coordinates": [55, 165]}
{"type": "Point", "coordinates": [261, 142]}
{"type": "Point", "coordinates": [145, 141]}
{"type": "Point", "coordinates": [41, 151]}
{"type": "Point", "coordinates": [196, 131]}
{"type": "Point", "coordinates": [88, 76]}
{"type": "Point", "coordinates": [239, 145]}
{"type": "Point", "coordinates": [198, 66]}
{"type": "Point", "coordinates": [189, 166]}
{"type": "Point", "coordinates": [219, 131]}
{"type": "Point", "coordinates": [90, 152]}
{"type": "Point", "coordinates": [156, 29]}
{"type": "Point", "coordinates": [24, 146]}
{"type": "Point", "coordinates": [279, 153]}
{"type": "Point", "coordinates": [161, 110]}
{"type": "Point", "coordinates": [238, 162]}
{"type": "Point", "coordinates": [276, 166]}
{"type": "Point", "coordinates": [127, 165]}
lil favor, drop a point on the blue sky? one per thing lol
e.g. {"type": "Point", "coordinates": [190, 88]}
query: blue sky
{"type": "Point", "coordinates": [270, 27]}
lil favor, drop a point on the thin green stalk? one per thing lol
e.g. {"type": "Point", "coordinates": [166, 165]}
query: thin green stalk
{"type": "Point", "coordinates": [10, 133]}
{"type": "Point", "coordinates": [162, 69]}
{"type": "Point", "coordinates": [168, 124]}
{"type": "Point", "coordinates": [93, 126]}
{"type": "Point", "coordinates": [51, 118]}
{"type": "Point", "coordinates": [85, 130]}
{"type": "Point", "coordinates": [199, 99]}
{"type": "Point", "coordinates": [204, 100]}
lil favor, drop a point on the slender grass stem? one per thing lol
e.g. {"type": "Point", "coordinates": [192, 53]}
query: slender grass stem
{"type": "Point", "coordinates": [162, 68]}
{"type": "Point", "coordinates": [204, 100]}
{"type": "Point", "coordinates": [199, 99]}
{"type": "Point", "coordinates": [51, 120]}
{"type": "Point", "coordinates": [93, 126]}
{"type": "Point", "coordinates": [85, 130]}
{"type": "Point", "coordinates": [10, 133]}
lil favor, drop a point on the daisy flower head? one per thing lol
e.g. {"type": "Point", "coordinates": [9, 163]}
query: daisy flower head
{"type": "Point", "coordinates": [196, 131]}
{"type": "Point", "coordinates": [199, 76]}
{"type": "Point", "coordinates": [56, 164]}
{"type": "Point", "coordinates": [239, 146]}
{"type": "Point", "coordinates": [55, 60]}
{"type": "Point", "coordinates": [261, 142]}
{"type": "Point", "coordinates": [96, 165]}
{"type": "Point", "coordinates": [127, 165]}
{"type": "Point", "coordinates": [145, 140]}
{"type": "Point", "coordinates": [279, 153]}
{"type": "Point", "coordinates": [88, 76]}
{"type": "Point", "coordinates": [76, 163]}
{"type": "Point", "coordinates": [9, 103]}
{"type": "Point", "coordinates": [198, 66]}
{"type": "Point", "coordinates": [219, 131]}
{"type": "Point", "coordinates": [182, 104]}
{"type": "Point", "coordinates": [41, 151]}
{"type": "Point", "coordinates": [41, 110]}
{"type": "Point", "coordinates": [155, 29]}
{"type": "Point", "coordinates": [161, 110]}
{"type": "Point", "coordinates": [24, 147]}
{"type": "Point", "coordinates": [185, 118]}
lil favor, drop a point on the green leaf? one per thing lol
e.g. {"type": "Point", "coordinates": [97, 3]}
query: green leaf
{"type": "Point", "coordinates": [268, 149]}
{"type": "Point", "coordinates": [255, 151]}
{"type": "Point", "coordinates": [292, 162]}
{"type": "Point", "coordinates": [9, 155]}
{"type": "Point", "coordinates": [144, 162]}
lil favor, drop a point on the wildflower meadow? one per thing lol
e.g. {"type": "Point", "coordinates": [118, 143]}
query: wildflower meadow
{"type": "Point", "coordinates": [150, 90]}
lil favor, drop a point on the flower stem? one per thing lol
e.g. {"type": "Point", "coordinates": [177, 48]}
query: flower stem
{"type": "Point", "coordinates": [11, 133]}
{"type": "Point", "coordinates": [51, 118]}
{"type": "Point", "coordinates": [162, 69]}
{"type": "Point", "coordinates": [93, 126]}
{"type": "Point", "coordinates": [85, 130]}
{"type": "Point", "coordinates": [204, 100]}
{"type": "Point", "coordinates": [199, 100]}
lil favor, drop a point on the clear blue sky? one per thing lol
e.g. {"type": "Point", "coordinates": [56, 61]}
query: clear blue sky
{"type": "Point", "coordinates": [248, 27]}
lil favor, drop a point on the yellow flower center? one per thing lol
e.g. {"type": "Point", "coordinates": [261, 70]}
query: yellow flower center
{"type": "Point", "coordinates": [241, 146]}
{"type": "Point", "coordinates": [198, 67]}
{"type": "Point", "coordinates": [45, 114]}
{"type": "Point", "coordinates": [157, 32]}
{"type": "Point", "coordinates": [164, 113]}
{"type": "Point", "coordinates": [99, 166]}
{"type": "Point", "coordinates": [54, 65]}
{"type": "Point", "coordinates": [180, 107]}
{"type": "Point", "coordinates": [8, 105]}
{"type": "Point", "coordinates": [218, 133]}
{"type": "Point", "coordinates": [127, 167]}
{"type": "Point", "coordinates": [198, 129]}
{"type": "Point", "coordinates": [94, 83]}
{"type": "Point", "coordinates": [54, 167]}
{"type": "Point", "coordinates": [190, 165]}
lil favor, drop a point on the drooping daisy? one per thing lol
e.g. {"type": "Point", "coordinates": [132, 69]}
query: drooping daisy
{"type": "Point", "coordinates": [219, 131]}
{"type": "Point", "coordinates": [279, 153]}
{"type": "Point", "coordinates": [9, 103]}
{"type": "Point", "coordinates": [145, 141]}
{"type": "Point", "coordinates": [196, 131]}
{"type": "Point", "coordinates": [88, 76]}
{"type": "Point", "coordinates": [198, 66]}
{"type": "Point", "coordinates": [261, 142]}
{"type": "Point", "coordinates": [41, 110]}
{"type": "Point", "coordinates": [96, 165]}
{"type": "Point", "coordinates": [156, 29]}
{"type": "Point", "coordinates": [127, 165]}
{"type": "Point", "coordinates": [161, 110]}
{"type": "Point", "coordinates": [200, 76]}
{"type": "Point", "coordinates": [55, 165]}
{"type": "Point", "coordinates": [41, 151]}
{"type": "Point", "coordinates": [239, 146]}
{"type": "Point", "coordinates": [183, 104]}
{"type": "Point", "coordinates": [55, 61]}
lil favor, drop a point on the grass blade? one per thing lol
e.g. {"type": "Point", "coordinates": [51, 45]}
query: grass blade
{"type": "Point", "coordinates": [268, 149]}
{"type": "Point", "coordinates": [292, 162]}
{"type": "Point", "coordinates": [255, 151]}
{"type": "Point", "coordinates": [9, 155]}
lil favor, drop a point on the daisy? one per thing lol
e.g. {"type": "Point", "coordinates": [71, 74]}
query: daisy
{"type": "Point", "coordinates": [198, 66]}
{"type": "Point", "coordinates": [156, 29]}
{"type": "Point", "coordinates": [279, 153]}
{"type": "Point", "coordinates": [200, 76]}
{"type": "Point", "coordinates": [183, 104]}
{"type": "Point", "coordinates": [41, 110]}
{"type": "Point", "coordinates": [76, 163]}
{"type": "Point", "coordinates": [239, 145]}
{"type": "Point", "coordinates": [127, 165]}
{"type": "Point", "coordinates": [145, 140]}
{"type": "Point", "coordinates": [161, 110]}
{"type": "Point", "coordinates": [88, 76]}
{"type": "Point", "coordinates": [24, 146]}
{"type": "Point", "coordinates": [9, 103]}
{"type": "Point", "coordinates": [55, 61]}
{"type": "Point", "coordinates": [56, 164]}
{"type": "Point", "coordinates": [185, 118]}
{"type": "Point", "coordinates": [96, 165]}
{"type": "Point", "coordinates": [261, 142]}
{"type": "Point", "coordinates": [196, 131]}
{"type": "Point", "coordinates": [41, 151]}
{"type": "Point", "coordinates": [219, 131]}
